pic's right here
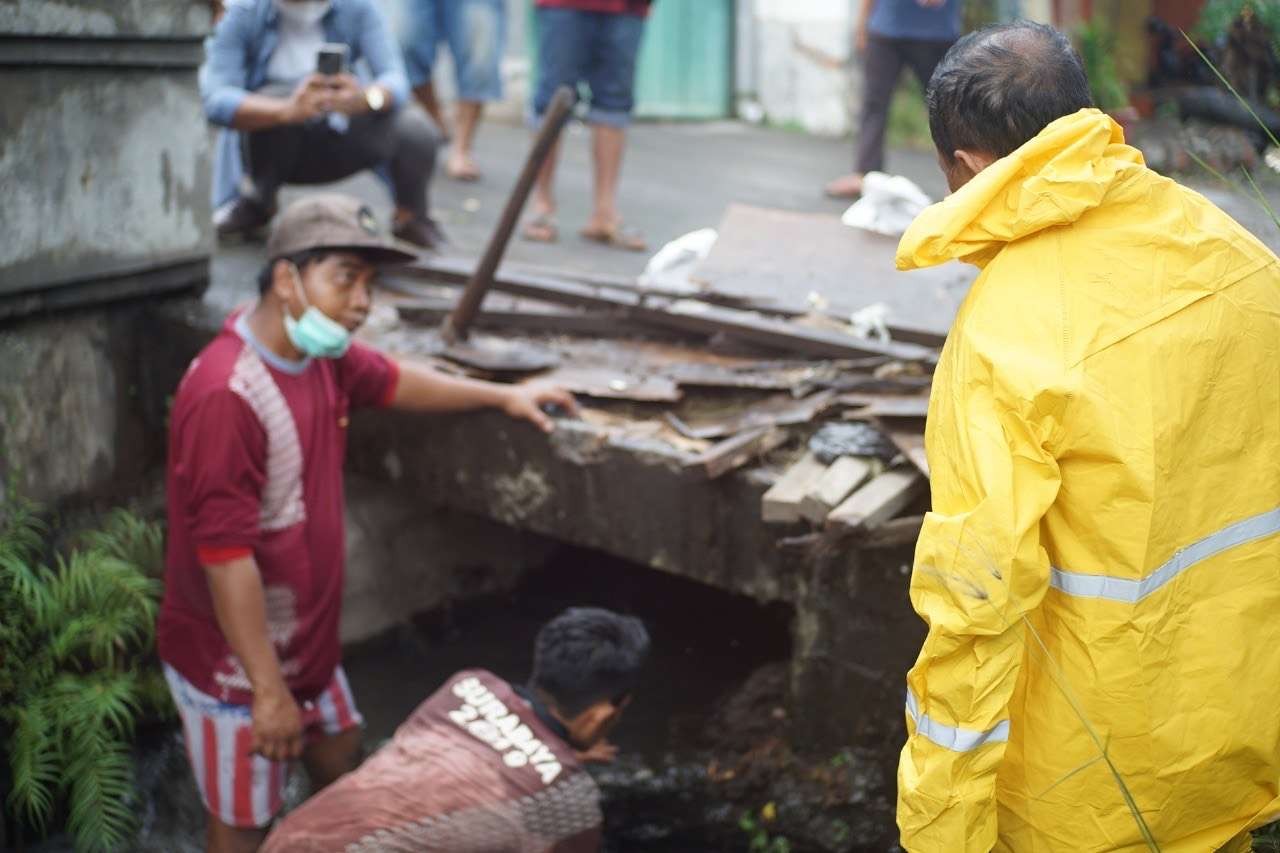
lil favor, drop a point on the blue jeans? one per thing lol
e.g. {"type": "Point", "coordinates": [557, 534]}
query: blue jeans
{"type": "Point", "coordinates": [596, 48]}
{"type": "Point", "coordinates": [476, 31]}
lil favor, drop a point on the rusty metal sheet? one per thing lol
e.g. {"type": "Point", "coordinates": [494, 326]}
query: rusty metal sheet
{"type": "Point", "coordinates": [911, 443]}
{"type": "Point", "coordinates": [613, 384]}
{"type": "Point", "coordinates": [777, 258]}
{"type": "Point", "coordinates": [779, 410]}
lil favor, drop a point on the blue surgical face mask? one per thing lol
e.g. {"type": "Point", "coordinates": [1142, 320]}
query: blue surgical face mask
{"type": "Point", "coordinates": [314, 333]}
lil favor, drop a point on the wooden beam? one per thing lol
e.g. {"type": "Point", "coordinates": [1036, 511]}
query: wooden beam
{"type": "Point", "coordinates": [911, 443]}
{"type": "Point", "coordinates": [781, 504]}
{"type": "Point", "coordinates": [877, 501]}
{"type": "Point", "coordinates": [689, 316]}
{"type": "Point", "coordinates": [724, 456]}
{"type": "Point", "coordinates": [836, 483]}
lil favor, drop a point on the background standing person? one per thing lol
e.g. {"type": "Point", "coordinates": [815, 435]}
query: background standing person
{"type": "Point", "coordinates": [248, 629]}
{"type": "Point", "coordinates": [892, 34]}
{"type": "Point", "coordinates": [288, 124]}
{"type": "Point", "coordinates": [596, 42]}
{"type": "Point", "coordinates": [476, 32]}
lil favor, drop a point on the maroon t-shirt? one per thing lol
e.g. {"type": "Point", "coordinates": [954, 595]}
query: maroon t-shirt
{"type": "Point", "coordinates": [473, 770]}
{"type": "Point", "coordinates": [256, 445]}
{"type": "Point", "coordinates": [613, 7]}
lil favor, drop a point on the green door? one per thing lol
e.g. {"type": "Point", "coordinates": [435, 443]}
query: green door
{"type": "Point", "coordinates": [686, 60]}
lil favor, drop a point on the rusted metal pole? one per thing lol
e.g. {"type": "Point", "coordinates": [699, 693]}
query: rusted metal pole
{"type": "Point", "coordinates": [458, 324]}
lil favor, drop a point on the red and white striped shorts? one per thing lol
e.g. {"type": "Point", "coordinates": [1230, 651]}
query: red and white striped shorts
{"type": "Point", "coordinates": [239, 788]}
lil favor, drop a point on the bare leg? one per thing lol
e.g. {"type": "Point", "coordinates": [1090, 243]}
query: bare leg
{"type": "Point", "coordinates": [330, 757]}
{"type": "Point", "coordinates": [461, 165]}
{"type": "Point", "coordinates": [220, 838]}
{"type": "Point", "coordinates": [541, 228]}
{"type": "Point", "coordinates": [607, 145]}
{"type": "Point", "coordinates": [426, 95]}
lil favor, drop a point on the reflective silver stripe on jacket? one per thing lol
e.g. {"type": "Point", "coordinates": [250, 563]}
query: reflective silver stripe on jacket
{"type": "Point", "coordinates": [951, 737]}
{"type": "Point", "coordinates": [1131, 590]}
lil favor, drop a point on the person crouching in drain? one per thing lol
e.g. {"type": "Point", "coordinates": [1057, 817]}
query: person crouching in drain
{"type": "Point", "coordinates": [483, 766]}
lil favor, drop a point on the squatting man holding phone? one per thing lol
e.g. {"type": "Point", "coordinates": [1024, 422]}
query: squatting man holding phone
{"type": "Point", "coordinates": [278, 75]}
{"type": "Point", "coordinates": [248, 629]}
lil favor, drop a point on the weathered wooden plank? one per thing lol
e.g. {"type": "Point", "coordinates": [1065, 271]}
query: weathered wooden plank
{"type": "Point", "coordinates": [723, 457]}
{"type": "Point", "coordinates": [613, 384]}
{"type": "Point", "coordinates": [911, 443]}
{"type": "Point", "coordinates": [836, 483]}
{"type": "Point", "coordinates": [778, 410]}
{"type": "Point", "coordinates": [886, 405]}
{"type": "Point", "coordinates": [781, 504]}
{"type": "Point", "coordinates": [877, 501]}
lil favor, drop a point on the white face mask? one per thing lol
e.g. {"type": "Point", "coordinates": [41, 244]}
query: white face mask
{"type": "Point", "coordinates": [303, 13]}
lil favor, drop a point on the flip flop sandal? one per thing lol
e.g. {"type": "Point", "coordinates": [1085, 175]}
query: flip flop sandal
{"type": "Point", "coordinates": [619, 237]}
{"type": "Point", "coordinates": [466, 175]}
{"type": "Point", "coordinates": [540, 229]}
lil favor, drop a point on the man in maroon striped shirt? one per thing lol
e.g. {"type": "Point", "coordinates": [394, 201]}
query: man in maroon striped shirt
{"type": "Point", "coordinates": [248, 629]}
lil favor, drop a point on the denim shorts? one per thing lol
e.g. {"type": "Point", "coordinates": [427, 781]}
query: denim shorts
{"type": "Point", "coordinates": [596, 48]}
{"type": "Point", "coordinates": [476, 32]}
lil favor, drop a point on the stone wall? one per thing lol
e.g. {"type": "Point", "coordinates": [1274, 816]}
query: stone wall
{"type": "Point", "coordinates": [105, 159]}
{"type": "Point", "coordinates": [80, 423]}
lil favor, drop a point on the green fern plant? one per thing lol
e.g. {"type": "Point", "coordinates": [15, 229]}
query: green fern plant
{"type": "Point", "coordinates": [77, 672]}
{"type": "Point", "coordinates": [134, 540]}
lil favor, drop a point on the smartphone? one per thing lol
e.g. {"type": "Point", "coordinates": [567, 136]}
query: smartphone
{"type": "Point", "coordinates": [332, 58]}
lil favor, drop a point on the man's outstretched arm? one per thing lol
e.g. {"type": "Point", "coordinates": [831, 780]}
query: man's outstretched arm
{"type": "Point", "coordinates": [421, 388]}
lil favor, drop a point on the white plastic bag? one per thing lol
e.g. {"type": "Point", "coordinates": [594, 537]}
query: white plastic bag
{"type": "Point", "coordinates": [888, 205]}
{"type": "Point", "coordinates": [671, 266]}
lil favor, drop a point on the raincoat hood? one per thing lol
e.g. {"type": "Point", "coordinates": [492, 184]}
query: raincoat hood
{"type": "Point", "coordinates": [1052, 180]}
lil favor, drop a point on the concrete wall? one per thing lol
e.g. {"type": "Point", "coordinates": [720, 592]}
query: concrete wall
{"type": "Point", "coordinates": [103, 172]}
{"type": "Point", "coordinates": [81, 422]}
{"type": "Point", "coordinates": [407, 555]}
{"type": "Point", "coordinates": [166, 18]}
{"type": "Point", "coordinates": [799, 54]}
{"type": "Point", "coordinates": [104, 161]}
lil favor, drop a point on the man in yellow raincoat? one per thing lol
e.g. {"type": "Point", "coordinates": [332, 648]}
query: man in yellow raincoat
{"type": "Point", "coordinates": [1100, 573]}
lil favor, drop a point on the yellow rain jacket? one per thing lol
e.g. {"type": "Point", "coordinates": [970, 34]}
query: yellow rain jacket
{"type": "Point", "coordinates": [1101, 568]}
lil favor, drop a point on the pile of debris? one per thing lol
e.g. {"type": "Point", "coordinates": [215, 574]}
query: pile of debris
{"type": "Point", "coordinates": [722, 376]}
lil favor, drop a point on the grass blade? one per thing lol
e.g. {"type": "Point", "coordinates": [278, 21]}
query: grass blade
{"type": "Point", "coordinates": [1262, 199]}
